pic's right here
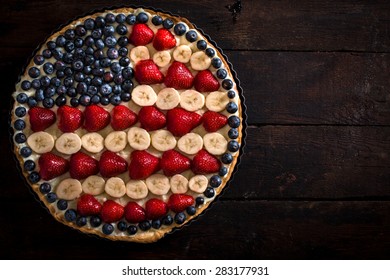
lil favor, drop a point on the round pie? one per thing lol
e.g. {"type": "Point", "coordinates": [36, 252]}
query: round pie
{"type": "Point", "coordinates": [127, 123]}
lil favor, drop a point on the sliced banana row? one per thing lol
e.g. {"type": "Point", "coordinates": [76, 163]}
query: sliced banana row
{"type": "Point", "coordinates": [144, 95]}
{"type": "Point", "coordinates": [216, 101]}
{"type": "Point", "coordinates": [167, 98]}
{"type": "Point", "coordinates": [192, 100]}
{"type": "Point", "coordinates": [163, 140]}
{"type": "Point", "coordinates": [41, 142]}
{"type": "Point", "coordinates": [139, 53]}
{"type": "Point", "coordinates": [162, 58]}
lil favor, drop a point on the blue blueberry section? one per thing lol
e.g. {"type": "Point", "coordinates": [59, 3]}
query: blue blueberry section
{"type": "Point", "coordinates": [167, 220]}
{"type": "Point", "coordinates": [223, 171]}
{"type": "Point", "coordinates": [70, 215]}
{"type": "Point", "coordinates": [199, 200]}
{"type": "Point", "coordinates": [156, 224]}
{"type": "Point", "coordinates": [233, 146]}
{"type": "Point", "coordinates": [29, 165]}
{"type": "Point", "coordinates": [81, 221]}
{"type": "Point", "coordinates": [157, 20]}
{"type": "Point", "coordinates": [227, 84]}
{"type": "Point", "coordinates": [51, 197]}
{"type": "Point", "coordinates": [210, 53]}
{"type": "Point", "coordinates": [108, 229]}
{"type": "Point", "coordinates": [227, 158]}
{"type": "Point", "coordinates": [215, 181]}
{"type": "Point", "coordinates": [25, 152]}
{"type": "Point", "coordinates": [122, 226]}
{"type": "Point", "coordinates": [233, 133]}
{"type": "Point", "coordinates": [201, 45]}
{"type": "Point", "coordinates": [209, 192]}
{"type": "Point", "coordinates": [34, 177]}
{"type": "Point", "coordinates": [45, 188]}
{"type": "Point", "coordinates": [180, 218]}
{"type": "Point", "coordinates": [132, 230]}
{"type": "Point", "coordinates": [62, 204]}
{"type": "Point", "coordinates": [142, 17]}
{"type": "Point", "coordinates": [19, 124]}
{"type": "Point", "coordinates": [168, 23]}
{"type": "Point", "coordinates": [234, 121]}
{"type": "Point", "coordinates": [20, 138]}
{"type": "Point", "coordinates": [22, 98]}
{"type": "Point", "coordinates": [231, 107]}
{"type": "Point", "coordinates": [191, 36]}
{"type": "Point", "coordinates": [95, 221]}
{"type": "Point", "coordinates": [144, 225]}
{"type": "Point", "coordinates": [191, 210]}
{"type": "Point", "coordinates": [179, 29]}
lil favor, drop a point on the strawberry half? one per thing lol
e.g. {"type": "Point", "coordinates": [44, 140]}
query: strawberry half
{"type": "Point", "coordinates": [143, 164]}
{"type": "Point", "coordinates": [96, 118]}
{"type": "Point", "coordinates": [111, 164]}
{"type": "Point", "coordinates": [205, 81]}
{"type": "Point", "coordinates": [212, 121]}
{"type": "Point", "coordinates": [204, 163]}
{"type": "Point", "coordinates": [134, 213]}
{"type": "Point", "coordinates": [111, 211]}
{"type": "Point", "coordinates": [52, 166]}
{"type": "Point", "coordinates": [173, 162]}
{"type": "Point", "coordinates": [179, 76]}
{"type": "Point", "coordinates": [41, 118]}
{"type": "Point", "coordinates": [155, 208]}
{"type": "Point", "coordinates": [122, 117]}
{"type": "Point", "coordinates": [82, 166]}
{"type": "Point", "coordinates": [151, 118]}
{"type": "Point", "coordinates": [70, 118]}
{"type": "Point", "coordinates": [147, 73]}
{"type": "Point", "coordinates": [180, 121]}
{"type": "Point", "coordinates": [179, 202]}
{"type": "Point", "coordinates": [141, 35]}
{"type": "Point", "coordinates": [164, 40]}
{"type": "Point", "coordinates": [87, 205]}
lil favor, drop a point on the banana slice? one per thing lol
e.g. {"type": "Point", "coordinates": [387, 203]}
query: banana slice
{"type": "Point", "coordinates": [115, 187]}
{"type": "Point", "coordinates": [139, 138]}
{"type": "Point", "coordinates": [93, 142]}
{"type": "Point", "coordinates": [144, 95]}
{"type": "Point", "coordinates": [68, 143]}
{"type": "Point", "coordinates": [167, 98]}
{"type": "Point", "coordinates": [162, 58]}
{"type": "Point", "coordinates": [190, 143]}
{"type": "Point", "coordinates": [136, 189]}
{"type": "Point", "coordinates": [139, 53]}
{"type": "Point", "coordinates": [158, 184]}
{"type": "Point", "coordinates": [93, 185]}
{"type": "Point", "coordinates": [41, 142]}
{"type": "Point", "coordinates": [69, 189]}
{"type": "Point", "coordinates": [192, 100]}
{"type": "Point", "coordinates": [179, 184]}
{"type": "Point", "coordinates": [200, 61]}
{"type": "Point", "coordinates": [216, 101]}
{"type": "Point", "coordinates": [182, 53]}
{"type": "Point", "coordinates": [116, 141]}
{"type": "Point", "coordinates": [163, 140]}
{"type": "Point", "coordinates": [215, 143]}
{"type": "Point", "coordinates": [198, 183]}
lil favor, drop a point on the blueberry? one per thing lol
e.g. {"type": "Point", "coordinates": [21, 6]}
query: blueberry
{"type": "Point", "coordinates": [49, 92]}
{"type": "Point", "coordinates": [227, 158]}
{"type": "Point", "coordinates": [199, 200]}
{"type": "Point", "coordinates": [142, 17]}
{"type": "Point", "coordinates": [98, 54]}
{"type": "Point", "coordinates": [234, 121]}
{"type": "Point", "coordinates": [89, 24]}
{"type": "Point", "coordinates": [51, 197]}
{"type": "Point", "coordinates": [45, 188]}
{"type": "Point", "coordinates": [191, 210]}
{"type": "Point", "coordinates": [216, 62]}
{"type": "Point", "coordinates": [127, 73]}
{"type": "Point", "coordinates": [70, 34]}
{"type": "Point", "coordinates": [110, 41]}
{"type": "Point", "coordinates": [233, 146]}
{"type": "Point", "coordinates": [123, 42]}
{"type": "Point", "coordinates": [108, 77]}
{"type": "Point", "coordinates": [19, 124]}
{"type": "Point", "coordinates": [79, 77]}
{"type": "Point", "coordinates": [22, 98]}
{"type": "Point", "coordinates": [118, 79]}
{"type": "Point", "coordinates": [60, 41]}
{"type": "Point", "coordinates": [26, 85]}
{"type": "Point", "coordinates": [95, 221]}
{"type": "Point", "coordinates": [68, 81]}
{"type": "Point", "coordinates": [97, 34]}
{"type": "Point", "coordinates": [80, 31]}
{"type": "Point", "coordinates": [121, 29]}
{"type": "Point", "coordinates": [60, 101]}
{"type": "Point", "coordinates": [62, 204]}
{"type": "Point", "coordinates": [105, 89]}
{"type": "Point", "coordinates": [122, 226]}
{"type": "Point", "coordinates": [71, 92]}
{"type": "Point", "coordinates": [39, 59]}
{"type": "Point", "coordinates": [231, 107]}
{"type": "Point", "coordinates": [168, 23]}
{"type": "Point", "coordinates": [125, 96]}
{"type": "Point", "coordinates": [51, 45]}
{"type": "Point", "coordinates": [98, 72]}
{"type": "Point", "coordinates": [104, 100]}
{"type": "Point", "coordinates": [97, 81]}
{"type": "Point", "coordinates": [20, 112]}
{"type": "Point", "coordinates": [55, 82]}
{"type": "Point", "coordinates": [144, 225]}
{"type": "Point", "coordinates": [32, 102]}
{"type": "Point", "coordinates": [115, 67]}
{"type": "Point", "coordinates": [124, 61]}
{"type": "Point", "coordinates": [115, 100]}
{"type": "Point", "coordinates": [179, 29]}
{"type": "Point", "coordinates": [221, 73]}
{"type": "Point", "coordinates": [36, 84]}
{"type": "Point", "coordinates": [95, 99]}
{"type": "Point", "coordinates": [110, 18]}
{"type": "Point", "coordinates": [105, 62]}
{"type": "Point", "coordinates": [223, 171]}
{"type": "Point", "coordinates": [29, 165]}
{"type": "Point", "coordinates": [89, 60]}
{"type": "Point", "coordinates": [210, 52]}
{"type": "Point", "coordinates": [227, 84]}
{"type": "Point", "coordinates": [191, 36]}
{"type": "Point", "coordinates": [85, 100]}
{"type": "Point", "coordinates": [74, 102]}
{"type": "Point", "coordinates": [117, 89]}
{"type": "Point", "coordinates": [157, 20]}
{"type": "Point", "coordinates": [68, 58]}
{"type": "Point", "coordinates": [70, 215]}
{"type": "Point", "coordinates": [45, 81]}
{"type": "Point", "coordinates": [57, 54]}
{"type": "Point", "coordinates": [209, 192]}
{"type": "Point", "coordinates": [132, 229]}
{"type": "Point", "coordinates": [20, 138]}
{"type": "Point", "coordinates": [108, 30]}
{"type": "Point", "coordinates": [231, 94]}
{"type": "Point", "coordinates": [120, 18]}
{"type": "Point", "coordinates": [88, 80]}
{"type": "Point", "coordinates": [127, 85]}
{"type": "Point", "coordinates": [59, 65]}
{"type": "Point", "coordinates": [77, 65]}
{"type": "Point", "coordinates": [89, 41]}
{"type": "Point", "coordinates": [108, 229]}
{"type": "Point", "coordinates": [39, 95]}
{"type": "Point", "coordinates": [131, 19]}
{"type": "Point", "coordinates": [25, 152]}
{"type": "Point", "coordinates": [201, 45]}
{"type": "Point", "coordinates": [81, 221]}
{"type": "Point", "coordinates": [61, 90]}
{"type": "Point", "coordinates": [78, 42]}
{"type": "Point", "coordinates": [156, 224]}
{"type": "Point", "coordinates": [47, 53]}
{"type": "Point", "coordinates": [215, 181]}
{"type": "Point", "coordinates": [99, 22]}
{"type": "Point", "coordinates": [92, 90]}
{"type": "Point", "coordinates": [34, 72]}
{"type": "Point", "coordinates": [48, 102]}
{"type": "Point", "coordinates": [167, 220]}
{"type": "Point", "coordinates": [180, 218]}
{"type": "Point", "coordinates": [112, 53]}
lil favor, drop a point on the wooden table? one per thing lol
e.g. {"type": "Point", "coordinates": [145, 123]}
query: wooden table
{"type": "Point", "coordinates": [314, 182]}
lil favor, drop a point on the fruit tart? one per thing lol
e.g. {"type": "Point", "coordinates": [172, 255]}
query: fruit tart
{"type": "Point", "coordinates": [127, 123]}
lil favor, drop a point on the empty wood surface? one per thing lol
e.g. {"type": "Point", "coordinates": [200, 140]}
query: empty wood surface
{"type": "Point", "coordinates": [314, 181]}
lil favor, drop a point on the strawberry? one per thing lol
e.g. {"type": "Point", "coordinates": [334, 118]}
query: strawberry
{"type": "Point", "coordinates": [179, 76]}
{"type": "Point", "coordinates": [122, 117]}
{"type": "Point", "coordinates": [204, 163]}
{"type": "Point", "coordinates": [179, 202]}
{"type": "Point", "coordinates": [82, 166]}
{"type": "Point", "coordinates": [111, 164]}
{"type": "Point", "coordinates": [180, 121]}
{"type": "Point", "coordinates": [141, 35]}
{"type": "Point", "coordinates": [70, 118]}
{"type": "Point", "coordinates": [96, 118]}
{"type": "Point", "coordinates": [143, 164]}
{"type": "Point", "coordinates": [147, 73]}
{"type": "Point", "coordinates": [205, 81]}
{"type": "Point", "coordinates": [87, 205]}
{"type": "Point", "coordinates": [173, 162]}
{"type": "Point", "coordinates": [164, 40]}
{"type": "Point", "coordinates": [134, 213]}
{"type": "Point", "coordinates": [41, 118]}
{"type": "Point", "coordinates": [111, 211]}
{"type": "Point", "coordinates": [52, 166]}
{"type": "Point", "coordinates": [212, 121]}
{"type": "Point", "coordinates": [151, 118]}
{"type": "Point", "coordinates": [155, 208]}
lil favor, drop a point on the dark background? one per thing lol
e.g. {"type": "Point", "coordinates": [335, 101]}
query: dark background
{"type": "Point", "coordinates": [314, 182]}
